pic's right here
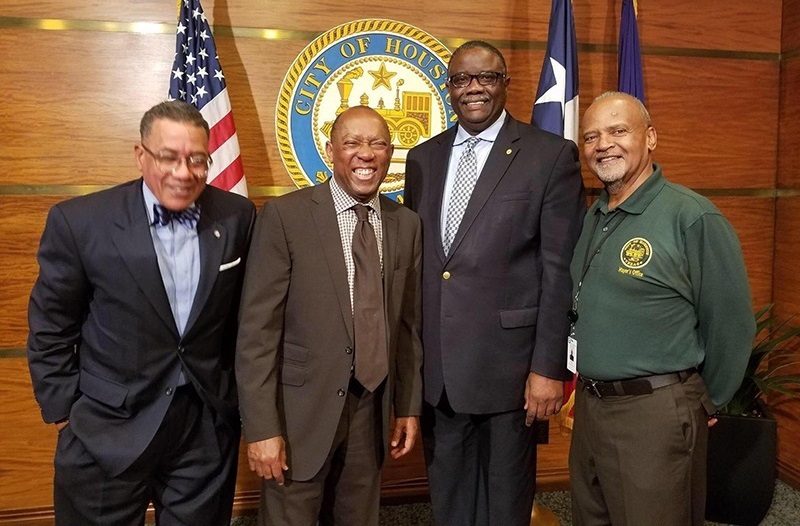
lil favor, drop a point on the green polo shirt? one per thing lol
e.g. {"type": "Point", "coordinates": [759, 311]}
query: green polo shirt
{"type": "Point", "coordinates": [666, 291]}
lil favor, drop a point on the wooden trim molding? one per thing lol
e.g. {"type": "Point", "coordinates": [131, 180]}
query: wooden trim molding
{"type": "Point", "coordinates": [55, 24]}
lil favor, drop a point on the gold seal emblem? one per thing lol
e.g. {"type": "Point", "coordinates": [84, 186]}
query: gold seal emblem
{"type": "Point", "coordinates": [636, 253]}
{"type": "Point", "coordinates": [397, 69]}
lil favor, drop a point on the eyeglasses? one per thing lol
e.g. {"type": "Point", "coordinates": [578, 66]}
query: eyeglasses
{"type": "Point", "coordinates": [197, 163]}
{"type": "Point", "coordinates": [485, 78]}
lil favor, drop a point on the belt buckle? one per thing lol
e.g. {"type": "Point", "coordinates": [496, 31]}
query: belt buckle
{"type": "Point", "coordinates": [591, 386]}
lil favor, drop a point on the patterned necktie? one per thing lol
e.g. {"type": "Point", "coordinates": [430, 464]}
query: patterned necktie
{"type": "Point", "coordinates": [369, 325]}
{"type": "Point", "coordinates": [162, 216]}
{"type": "Point", "coordinates": [466, 176]}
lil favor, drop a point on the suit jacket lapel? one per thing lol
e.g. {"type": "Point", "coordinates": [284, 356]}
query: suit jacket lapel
{"type": "Point", "coordinates": [440, 159]}
{"type": "Point", "coordinates": [503, 152]}
{"type": "Point", "coordinates": [324, 215]}
{"type": "Point", "coordinates": [212, 237]}
{"type": "Point", "coordinates": [390, 230]}
{"type": "Point", "coordinates": [389, 221]}
{"type": "Point", "coordinates": [134, 243]}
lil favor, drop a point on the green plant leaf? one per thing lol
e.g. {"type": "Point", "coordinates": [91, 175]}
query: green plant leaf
{"type": "Point", "coordinates": [768, 349]}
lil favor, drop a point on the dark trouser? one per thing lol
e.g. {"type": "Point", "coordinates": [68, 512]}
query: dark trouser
{"type": "Point", "coordinates": [638, 460]}
{"type": "Point", "coordinates": [347, 489]}
{"type": "Point", "coordinates": [188, 471]}
{"type": "Point", "coordinates": [481, 468]}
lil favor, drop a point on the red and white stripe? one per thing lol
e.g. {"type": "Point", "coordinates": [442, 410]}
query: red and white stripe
{"type": "Point", "coordinates": [227, 171]}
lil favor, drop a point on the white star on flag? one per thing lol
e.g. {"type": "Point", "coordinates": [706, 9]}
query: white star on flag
{"type": "Point", "coordinates": [195, 56]}
{"type": "Point", "coordinates": [556, 106]}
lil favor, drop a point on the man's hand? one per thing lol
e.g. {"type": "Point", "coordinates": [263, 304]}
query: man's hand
{"type": "Point", "coordinates": [268, 458]}
{"type": "Point", "coordinates": [406, 430]}
{"type": "Point", "coordinates": [61, 425]}
{"type": "Point", "coordinates": [543, 397]}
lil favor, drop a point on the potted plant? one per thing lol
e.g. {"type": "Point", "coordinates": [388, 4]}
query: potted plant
{"type": "Point", "coordinates": [742, 445]}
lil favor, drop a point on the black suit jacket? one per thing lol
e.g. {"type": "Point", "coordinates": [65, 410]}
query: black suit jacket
{"type": "Point", "coordinates": [495, 309]}
{"type": "Point", "coordinates": [104, 349]}
{"type": "Point", "coordinates": [295, 347]}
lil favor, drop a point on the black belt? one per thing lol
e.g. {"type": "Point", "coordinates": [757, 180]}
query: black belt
{"type": "Point", "coordinates": [634, 386]}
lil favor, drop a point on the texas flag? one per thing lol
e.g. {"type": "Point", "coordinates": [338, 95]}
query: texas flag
{"type": "Point", "coordinates": [556, 105]}
{"type": "Point", "coordinates": [556, 110]}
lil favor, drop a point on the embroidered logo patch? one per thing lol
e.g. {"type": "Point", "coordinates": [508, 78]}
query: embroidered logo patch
{"type": "Point", "coordinates": [636, 253]}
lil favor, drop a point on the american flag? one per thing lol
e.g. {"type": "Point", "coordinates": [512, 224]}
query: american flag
{"type": "Point", "coordinates": [197, 78]}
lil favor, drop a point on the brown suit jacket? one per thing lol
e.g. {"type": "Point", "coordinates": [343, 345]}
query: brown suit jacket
{"type": "Point", "coordinates": [295, 344]}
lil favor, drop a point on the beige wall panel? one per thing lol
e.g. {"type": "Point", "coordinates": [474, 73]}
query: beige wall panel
{"type": "Point", "coordinates": [787, 413]}
{"type": "Point", "coordinates": [28, 445]}
{"type": "Point", "coordinates": [787, 299]}
{"type": "Point", "coordinates": [739, 25]}
{"type": "Point", "coordinates": [716, 120]}
{"type": "Point", "coordinates": [752, 218]}
{"type": "Point", "coordinates": [787, 227]}
{"type": "Point", "coordinates": [790, 35]}
{"type": "Point", "coordinates": [789, 149]}
{"type": "Point", "coordinates": [124, 11]}
{"type": "Point", "coordinates": [21, 223]}
{"type": "Point", "coordinates": [73, 114]}
{"type": "Point", "coordinates": [787, 261]}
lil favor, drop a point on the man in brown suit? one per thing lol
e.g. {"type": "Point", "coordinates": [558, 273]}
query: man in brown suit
{"type": "Point", "coordinates": [315, 431]}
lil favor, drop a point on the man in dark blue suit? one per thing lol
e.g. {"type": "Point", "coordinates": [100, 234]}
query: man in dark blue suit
{"type": "Point", "coordinates": [132, 335]}
{"type": "Point", "coordinates": [501, 204]}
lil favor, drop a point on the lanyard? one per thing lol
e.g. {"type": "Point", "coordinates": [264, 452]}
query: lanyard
{"type": "Point", "coordinates": [587, 261]}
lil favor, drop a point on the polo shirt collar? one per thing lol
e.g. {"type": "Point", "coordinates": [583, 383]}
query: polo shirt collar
{"type": "Point", "coordinates": [641, 198]}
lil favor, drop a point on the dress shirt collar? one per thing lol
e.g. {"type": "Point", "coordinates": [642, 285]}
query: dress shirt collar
{"type": "Point", "coordinates": [489, 134]}
{"type": "Point", "coordinates": [343, 201]}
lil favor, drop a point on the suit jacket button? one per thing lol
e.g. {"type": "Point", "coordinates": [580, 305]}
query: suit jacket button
{"type": "Point", "coordinates": [181, 349]}
{"type": "Point", "coordinates": [169, 391]}
{"type": "Point", "coordinates": [446, 274]}
{"type": "Point", "coordinates": [348, 350]}
{"type": "Point", "coordinates": [340, 392]}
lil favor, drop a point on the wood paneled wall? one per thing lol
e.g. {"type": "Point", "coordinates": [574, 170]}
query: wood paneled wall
{"type": "Point", "coordinates": [79, 75]}
{"type": "Point", "coordinates": [787, 227]}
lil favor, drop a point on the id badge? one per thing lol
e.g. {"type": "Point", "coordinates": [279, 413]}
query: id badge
{"type": "Point", "coordinates": [572, 355]}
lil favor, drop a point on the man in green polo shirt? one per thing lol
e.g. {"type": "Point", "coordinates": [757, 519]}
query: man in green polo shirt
{"type": "Point", "coordinates": [660, 292]}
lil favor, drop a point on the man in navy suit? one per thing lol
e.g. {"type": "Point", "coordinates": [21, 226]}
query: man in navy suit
{"type": "Point", "coordinates": [496, 292]}
{"type": "Point", "coordinates": [132, 335]}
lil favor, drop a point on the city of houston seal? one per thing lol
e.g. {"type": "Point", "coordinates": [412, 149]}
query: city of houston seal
{"type": "Point", "coordinates": [392, 67]}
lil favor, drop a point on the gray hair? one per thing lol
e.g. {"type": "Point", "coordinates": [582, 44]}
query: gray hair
{"type": "Point", "coordinates": [173, 110]}
{"type": "Point", "coordinates": [627, 96]}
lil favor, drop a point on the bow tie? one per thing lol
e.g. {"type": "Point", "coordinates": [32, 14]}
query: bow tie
{"type": "Point", "coordinates": [162, 216]}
